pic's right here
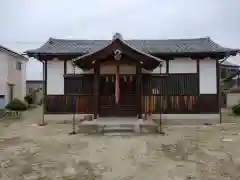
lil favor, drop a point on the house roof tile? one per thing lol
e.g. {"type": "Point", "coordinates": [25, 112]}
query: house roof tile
{"type": "Point", "coordinates": [197, 45]}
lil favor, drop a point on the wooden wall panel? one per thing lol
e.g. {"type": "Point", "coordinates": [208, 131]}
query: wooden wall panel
{"type": "Point", "coordinates": [67, 104]}
{"type": "Point", "coordinates": [188, 104]}
{"type": "Point", "coordinates": [175, 94]}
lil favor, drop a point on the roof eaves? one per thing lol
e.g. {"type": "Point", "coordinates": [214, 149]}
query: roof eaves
{"type": "Point", "coordinates": [224, 49]}
{"type": "Point", "coordinates": [51, 41]}
{"type": "Point", "coordinates": [229, 64]}
{"type": "Point", "coordinates": [36, 51]}
{"type": "Point", "coordinates": [12, 53]}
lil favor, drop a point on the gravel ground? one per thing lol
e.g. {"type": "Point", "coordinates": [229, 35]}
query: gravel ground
{"type": "Point", "coordinates": [31, 152]}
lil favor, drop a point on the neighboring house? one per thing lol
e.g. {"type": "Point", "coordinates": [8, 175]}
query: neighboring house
{"type": "Point", "coordinates": [232, 81]}
{"type": "Point", "coordinates": [34, 88]}
{"type": "Point", "coordinates": [13, 76]}
{"type": "Point", "coordinates": [32, 85]}
{"type": "Point", "coordinates": [229, 77]}
{"type": "Point", "coordinates": [228, 69]}
{"type": "Point", "coordinates": [123, 77]}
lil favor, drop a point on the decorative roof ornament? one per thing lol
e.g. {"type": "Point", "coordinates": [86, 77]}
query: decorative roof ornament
{"type": "Point", "coordinates": [117, 54]}
{"type": "Point", "coordinates": [117, 36]}
{"type": "Point", "coordinates": [73, 62]}
{"type": "Point", "coordinates": [160, 65]}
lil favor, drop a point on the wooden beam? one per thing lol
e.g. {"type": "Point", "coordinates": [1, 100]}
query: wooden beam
{"type": "Point", "coordinates": [167, 66]}
{"type": "Point", "coordinates": [65, 67]}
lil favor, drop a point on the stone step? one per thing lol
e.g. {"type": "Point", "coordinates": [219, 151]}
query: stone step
{"type": "Point", "coordinates": [119, 133]}
{"type": "Point", "coordinates": [118, 128]}
{"type": "Point", "coordinates": [113, 130]}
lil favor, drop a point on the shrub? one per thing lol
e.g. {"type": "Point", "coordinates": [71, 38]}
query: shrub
{"type": "Point", "coordinates": [236, 109]}
{"type": "Point", "coordinates": [17, 105]}
{"type": "Point", "coordinates": [3, 110]}
{"type": "Point", "coordinates": [29, 99]}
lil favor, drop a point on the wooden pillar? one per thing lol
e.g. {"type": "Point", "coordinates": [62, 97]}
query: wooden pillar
{"type": "Point", "coordinates": [167, 66]}
{"type": "Point", "coordinates": [198, 93]}
{"type": "Point", "coordinates": [198, 74]}
{"type": "Point", "coordinates": [138, 95]}
{"type": "Point", "coordinates": [96, 90]}
{"type": "Point", "coordinates": [44, 91]}
{"type": "Point", "coordinates": [65, 96]}
{"type": "Point", "coordinates": [65, 67]}
{"type": "Point", "coordinates": [167, 96]}
{"type": "Point", "coordinates": [218, 108]}
{"type": "Point", "coordinates": [44, 85]}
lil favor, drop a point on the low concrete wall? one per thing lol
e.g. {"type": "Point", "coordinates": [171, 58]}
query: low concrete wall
{"type": "Point", "coordinates": [232, 99]}
{"type": "Point", "coordinates": [188, 119]}
{"type": "Point", "coordinates": [62, 118]}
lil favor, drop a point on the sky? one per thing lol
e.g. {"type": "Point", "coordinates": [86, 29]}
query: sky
{"type": "Point", "coordinates": [27, 24]}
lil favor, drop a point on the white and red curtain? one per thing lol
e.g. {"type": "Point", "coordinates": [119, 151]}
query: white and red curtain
{"type": "Point", "coordinates": [117, 86]}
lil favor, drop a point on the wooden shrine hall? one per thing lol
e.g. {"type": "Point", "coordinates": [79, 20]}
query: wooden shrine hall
{"type": "Point", "coordinates": [131, 77]}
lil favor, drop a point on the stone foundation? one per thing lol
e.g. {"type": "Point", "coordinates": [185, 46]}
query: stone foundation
{"type": "Point", "coordinates": [186, 119]}
{"type": "Point", "coordinates": [148, 128]}
{"type": "Point", "coordinates": [63, 118]}
{"type": "Point", "coordinates": [89, 128]}
{"type": "Point", "coordinates": [175, 119]}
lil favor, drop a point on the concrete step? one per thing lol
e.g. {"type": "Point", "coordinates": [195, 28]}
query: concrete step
{"type": "Point", "coordinates": [119, 133]}
{"type": "Point", "coordinates": [118, 128]}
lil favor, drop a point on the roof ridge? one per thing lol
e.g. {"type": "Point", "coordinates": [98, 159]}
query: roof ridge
{"type": "Point", "coordinates": [167, 39]}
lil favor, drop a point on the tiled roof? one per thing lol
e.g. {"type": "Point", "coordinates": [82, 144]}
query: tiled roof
{"type": "Point", "coordinates": [198, 45]}
{"type": "Point", "coordinates": [12, 53]}
{"type": "Point", "coordinates": [227, 63]}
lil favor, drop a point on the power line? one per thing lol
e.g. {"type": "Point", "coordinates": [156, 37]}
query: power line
{"type": "Point", "coordinates": [23, 42]}
{"type": "Point", "coordinates": [29, 42]}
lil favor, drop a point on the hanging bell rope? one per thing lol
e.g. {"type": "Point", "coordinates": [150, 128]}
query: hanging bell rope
{"type": "Point", "coordinates": [75, 103]}
{"type": "Point", "coordinates": [161, 104]}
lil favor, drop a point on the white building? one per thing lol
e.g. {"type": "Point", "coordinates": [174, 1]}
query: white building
{"type": "Point", "coordinates": [13, 76]}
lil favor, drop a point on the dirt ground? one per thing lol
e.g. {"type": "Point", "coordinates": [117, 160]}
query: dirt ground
{"type": "Point", "coordinates": [30, 152]}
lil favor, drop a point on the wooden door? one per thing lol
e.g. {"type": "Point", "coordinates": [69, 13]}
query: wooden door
{"type": "Point", "coordinates": [107, 95]}
{"type": "Point", "coordinates": [127, 102]}
{"type": "Point", "coordinates": [10, 92]}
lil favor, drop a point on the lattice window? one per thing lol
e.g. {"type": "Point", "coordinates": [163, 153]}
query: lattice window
{"type": "Point", "coordinates": [175, 84]}
{"type": "Point", "coordinates": [78, 85]}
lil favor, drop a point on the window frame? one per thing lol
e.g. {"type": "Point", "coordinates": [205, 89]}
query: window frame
{"type": "Point", "coordinates": [18, 66]}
